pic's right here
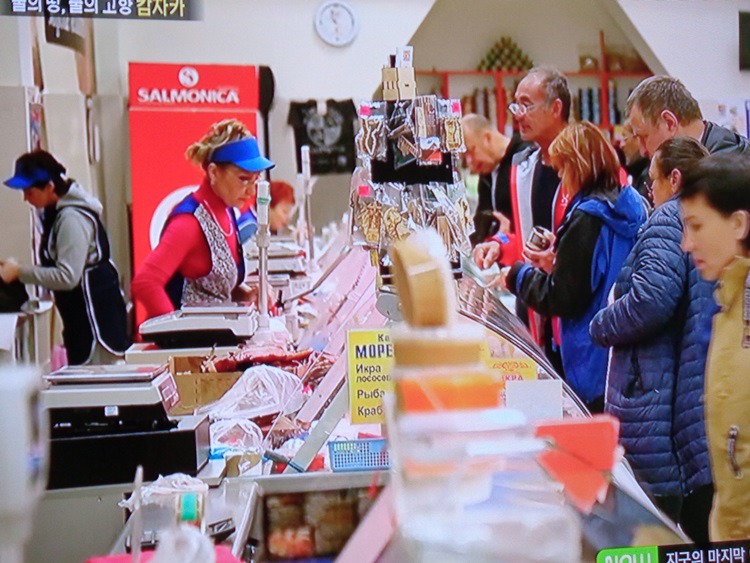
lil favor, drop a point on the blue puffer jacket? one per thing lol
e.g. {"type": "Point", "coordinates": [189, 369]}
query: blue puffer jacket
{"type": "Point", "coordinates": [659, 319]}
{"type": "Point", "coordinates": [688, 425]}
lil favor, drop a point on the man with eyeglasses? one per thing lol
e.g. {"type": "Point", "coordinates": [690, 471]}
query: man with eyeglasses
{"type": "Point", "coordinates": [489, 154]}
{"type": "Point", "coordinates": [661, 108]}
{"type": "Point", "coordinates": [542, 109]}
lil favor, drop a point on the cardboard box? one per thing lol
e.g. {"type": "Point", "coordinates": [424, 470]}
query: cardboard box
{"type": "Point", "coordinates": [399, 84]}
{"type": "Point", "coordinates": [390, 84]}
{"type": "Point", "coordinates": [197, 389]}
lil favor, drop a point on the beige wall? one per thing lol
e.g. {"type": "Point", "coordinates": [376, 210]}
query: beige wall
{"type": "Point", "coordinates": [694, 40]}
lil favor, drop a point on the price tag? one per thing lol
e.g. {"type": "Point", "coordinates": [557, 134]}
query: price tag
{"type": "Point", "coordinates": [370, 355]}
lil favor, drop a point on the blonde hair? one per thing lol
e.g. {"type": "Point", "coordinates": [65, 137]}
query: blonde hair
{"type": "Point", "coordinates": [588, 155]}
{"type": "Point", "coordinates": [221, 133]}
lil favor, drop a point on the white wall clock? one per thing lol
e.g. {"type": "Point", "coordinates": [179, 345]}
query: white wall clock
{"type": "Point", "coordinates": [336, 23]}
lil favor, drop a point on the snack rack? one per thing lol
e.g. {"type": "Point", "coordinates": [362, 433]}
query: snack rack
{"type": "Point", "coordinates": [408, 149]}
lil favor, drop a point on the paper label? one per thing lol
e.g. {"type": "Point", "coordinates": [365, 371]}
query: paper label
{"type": "Point", "coordinates": [370, 354]}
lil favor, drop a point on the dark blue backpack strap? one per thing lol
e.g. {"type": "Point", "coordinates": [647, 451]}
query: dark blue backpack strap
{"type": "Point", "coordinates": [187, 205]}
{"type": "Point", "coordinates": [176, 283]}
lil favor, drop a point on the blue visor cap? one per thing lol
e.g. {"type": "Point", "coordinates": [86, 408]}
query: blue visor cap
{"type": "Point", "coordinates": [27, 176]}
{"type": "Point", "coordinates": [244, 154]}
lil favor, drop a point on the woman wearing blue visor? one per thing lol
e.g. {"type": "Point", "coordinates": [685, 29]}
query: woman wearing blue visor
{"type": "Point", "coordinates": [74, 261]}
{"type": "Point", "coordinates": [199, 257]}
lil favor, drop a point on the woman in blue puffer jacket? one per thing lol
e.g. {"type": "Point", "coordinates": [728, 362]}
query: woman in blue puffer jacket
{"type": "Point", "coordinates": [659, 328]}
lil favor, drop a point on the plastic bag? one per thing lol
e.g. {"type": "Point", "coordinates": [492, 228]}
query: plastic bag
{"type": "Point", "coordinates": [451, 222]}
{"type": "Point", "coordinates": [401, 134]}
{"type": "Point", "coordinates": [449, 124]}
{"type": "Point", "coordinates": [185, 544]}
{"type": "Point", "coordinates": [367, 210]}
{"type": "Point", "coordinates": [371, 138]}
{"type": "Point", "coordinates": [427, 134]}
{"type": "Point", "coordinates": [260, 391]}
{"type": "Point", "coordinates": [163, 490]}
{"type": "Point", "coordinates": [238, 434]}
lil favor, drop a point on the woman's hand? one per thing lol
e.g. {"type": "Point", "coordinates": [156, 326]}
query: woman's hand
{"type": "Point", "coordinates": [542, 259]}
{"type": "Point", "coordinates": [486, 254]}
{"type": "Point", "coordinates": [9, 270]}
{"type": "Point", "coordinates": [249, 294]}
{"type": "Point", "coordinates": [501, 281]}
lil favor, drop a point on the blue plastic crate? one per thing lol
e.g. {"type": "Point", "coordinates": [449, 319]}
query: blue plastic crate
{"type": "Point", "coordinates": [359, 455]}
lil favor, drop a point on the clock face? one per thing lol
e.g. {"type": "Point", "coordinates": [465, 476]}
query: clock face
{"type": "Point", "coordinates": [336, 23]}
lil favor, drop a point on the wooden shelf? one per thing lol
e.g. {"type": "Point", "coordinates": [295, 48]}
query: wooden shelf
{"type": "Point", "coordinates": [602, 75]}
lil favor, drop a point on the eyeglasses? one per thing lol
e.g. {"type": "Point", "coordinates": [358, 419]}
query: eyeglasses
{"type": "Point", "coordinates": [520, 110]}
{"type": "Point", "coordinates": [246, 178]}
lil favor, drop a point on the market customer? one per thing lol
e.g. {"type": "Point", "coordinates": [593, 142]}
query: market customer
{"type": "Point", "coordinates": [659, 328]}
{"type": "Point", "coordinates": [591, 245]}
{"type": "Point", "coordinates": [489, 154]}
{"type": "Point", "coordinates": [715, 204]}
{"type": "Point", "coordinates": [74, 261]}
{"type": "Point", "coordinates": [660, 108]}
{"type": "Point", "coordinates": [199, 258]}
{"type": "Point", "coordinates": [541, 110]}
{"type": "Point", "coordinates": [635, 164]}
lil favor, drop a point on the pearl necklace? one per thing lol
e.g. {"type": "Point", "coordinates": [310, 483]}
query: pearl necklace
{"type": "Point", "coordinates": [216, 220]}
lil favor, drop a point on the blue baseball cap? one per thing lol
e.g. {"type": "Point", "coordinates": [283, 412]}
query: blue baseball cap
{"type": "Point", "coordinates": [244, 154]}
{"type": "Point", "coordinates": [27, 175]}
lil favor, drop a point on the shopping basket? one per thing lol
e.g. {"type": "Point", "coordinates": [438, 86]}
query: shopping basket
{"type": "Point", "coordinates": [359, 455]}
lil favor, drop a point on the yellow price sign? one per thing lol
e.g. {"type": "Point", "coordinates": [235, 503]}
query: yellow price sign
{"type": "Point", "coordinates": [513, 369]}
{"type": "Point", "coordinates": [370, 354]}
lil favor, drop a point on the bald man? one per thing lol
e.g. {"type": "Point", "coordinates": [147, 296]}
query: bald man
{"type": "Point", "coordinates": [489, 154]}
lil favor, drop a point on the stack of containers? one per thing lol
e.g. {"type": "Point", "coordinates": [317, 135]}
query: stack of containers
{"type": "Point", "coordinates": [467, 483]}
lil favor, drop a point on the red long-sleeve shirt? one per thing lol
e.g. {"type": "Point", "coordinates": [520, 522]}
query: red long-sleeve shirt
{"type": "Point", "coordinates": [183, 248]}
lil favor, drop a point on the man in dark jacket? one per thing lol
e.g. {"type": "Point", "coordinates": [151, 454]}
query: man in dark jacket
{"type": "Point", "coordinates": [661, 108]}
{"type": "Point", "coordinates": [489, 153]}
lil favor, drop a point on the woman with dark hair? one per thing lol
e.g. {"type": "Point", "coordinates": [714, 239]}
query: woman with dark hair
{"type": "Point", "coordinates": [74, 261]}
{"type": "Point", "coordinates": [659, 328]}
{"type": "Point", "coordinates": [199, 258]}
{"type": "Point", "coordinates": [598, 231]}
{"type": "Point", "coordinates": [715, 204]}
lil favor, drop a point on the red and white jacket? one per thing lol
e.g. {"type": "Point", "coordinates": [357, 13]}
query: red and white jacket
{"type": "Point", "coordinates": [511, 244]}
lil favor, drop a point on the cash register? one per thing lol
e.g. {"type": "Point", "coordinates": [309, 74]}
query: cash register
{"type": "Point", "coordinates": [107, 420]}
{"type": "Point", "coordinates": [195, 327]}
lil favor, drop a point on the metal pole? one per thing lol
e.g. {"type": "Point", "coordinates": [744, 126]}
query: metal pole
{"type": "Point", "coordinates": [306, 175]}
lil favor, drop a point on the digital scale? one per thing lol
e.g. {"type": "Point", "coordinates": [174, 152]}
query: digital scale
{"type": "Point", "coordinates": [284, 257]}
{"type": "Point", "coordinates": [194, 327]}
{"type": "Point", "coordinates": [106, 420]}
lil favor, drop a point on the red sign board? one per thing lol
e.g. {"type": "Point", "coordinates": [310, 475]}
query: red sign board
{"type": "Point", "coordinates": [180, 87]}
{"type": "Point", "coordinates": [171, 107]}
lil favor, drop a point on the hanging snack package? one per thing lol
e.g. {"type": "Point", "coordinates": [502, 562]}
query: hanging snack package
{"type": "Point", "coordinates": [368, 217]}
{"type": "Point", "coordinates": [449, 222]}
{"type": "Point", "coordinates": [401, 134]}
{"type": "Point", "coordinates": [457, 194]}
{"type": "Point", "coordinates": [365, 208]}
{"type": "Point", "coordinates": [394, 224]}
{"type": "Point", "coordinates": [413, 200]}
{"type": "Point", "coordinates": [371, 138]}
{"type": "Point", "coordinates": [427, 135]}
{"type": "Point", "coordinates": [359, 185]}
{"type": "Point", "coordinates": [449, 124]}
